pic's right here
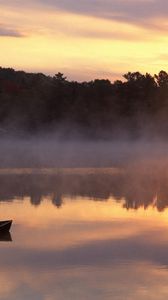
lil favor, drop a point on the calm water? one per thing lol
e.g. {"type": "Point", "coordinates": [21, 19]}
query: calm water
{"type": "Point", "coordinates": [84, 234]}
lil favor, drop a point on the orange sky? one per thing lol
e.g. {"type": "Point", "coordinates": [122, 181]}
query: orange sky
{"type": "Point", "coordinates": [83, 39]}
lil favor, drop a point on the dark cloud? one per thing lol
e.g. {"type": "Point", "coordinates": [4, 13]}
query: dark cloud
{"type": "Point", "coordinates": [136, 11]}
{"type": "Point", "coordinates": [10, 32]}
{"type": "Point", "coordinates": [140, 12]}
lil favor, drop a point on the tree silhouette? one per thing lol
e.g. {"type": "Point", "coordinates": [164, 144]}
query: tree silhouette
{"type": "Point", "coordinates": [96, 109]}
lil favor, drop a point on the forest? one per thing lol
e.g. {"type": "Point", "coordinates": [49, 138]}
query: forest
{"type": "Point", "coordinates": [33, 103]}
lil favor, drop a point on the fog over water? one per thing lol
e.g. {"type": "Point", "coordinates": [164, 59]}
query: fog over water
{"type": "Point", "coordinates": [35, 167]}
{"type": "Point", "coordinates": [136, 171]}
{"type": "Point", "coordinates": [51, 151]}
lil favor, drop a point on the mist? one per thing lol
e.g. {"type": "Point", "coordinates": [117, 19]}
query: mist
{"type": "Point", "coordinates": [51, 151]}
{"type": "Point", "coordinates": [129, 171]}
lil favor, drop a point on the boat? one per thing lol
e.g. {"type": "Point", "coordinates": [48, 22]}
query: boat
{"type": "Point", "coordinates": [5, 225]}
{"type": "Point", "coordinates": [5, 236]}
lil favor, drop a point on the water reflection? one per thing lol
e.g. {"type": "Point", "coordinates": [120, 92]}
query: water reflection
{"type": "Point", "coordinates": [84, 251]}
{"type": "Point", "coordinates": [93, 247]}
{"type": "Point", "coordinates": [139, 187]}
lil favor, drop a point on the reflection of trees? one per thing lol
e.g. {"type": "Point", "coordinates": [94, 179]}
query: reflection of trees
{"type": "Point", "coordinates": [57, 200]}
{"type": "Point", "coordinates": [37, 187]}
{"type": "Point", "coordinates": [137, 188]}
{"type": "Point", "coordinates": [35, 199]}
{"type": "Point", "coordinates": [143, 189]}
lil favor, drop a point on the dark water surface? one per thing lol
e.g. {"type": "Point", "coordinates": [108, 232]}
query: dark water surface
{"type": "Point", "coordinates": [84, 234]}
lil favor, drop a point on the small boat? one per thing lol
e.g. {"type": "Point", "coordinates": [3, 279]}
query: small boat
{"type": "Point", "coordinates": [5, 225]}
{"type": "Point", "coordinates": [5, 236]}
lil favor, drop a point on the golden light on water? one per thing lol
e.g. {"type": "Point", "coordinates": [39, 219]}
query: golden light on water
{"type": "Point", "coordinates": [81, 220]}
{"type": "Point", "coordinates": [42, 235]}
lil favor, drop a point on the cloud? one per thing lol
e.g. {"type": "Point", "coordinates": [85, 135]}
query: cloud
{"type": "Point", "coordinates": [140, 12]}
{"type": "Point", "coordinates": [114, 9]}
{"type": "Point", "coordinates": [10, 32]}
{"type": "Point", "coordinates": [102, 34]}
{"type": "Point", "coordinates": [97, 33]}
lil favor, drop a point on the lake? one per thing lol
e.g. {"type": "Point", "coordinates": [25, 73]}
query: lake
{"type": "Point", "coordinates": [85, 234]}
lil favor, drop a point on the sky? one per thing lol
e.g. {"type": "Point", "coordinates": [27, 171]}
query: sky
{"type": "Point", "coordinates": [84, 39]}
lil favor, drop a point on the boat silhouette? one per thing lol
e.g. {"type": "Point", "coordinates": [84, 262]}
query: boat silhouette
{"type": "Point", "coordinates": [5, 226]}
{"type": "Point", "coordinates": [5, 237]}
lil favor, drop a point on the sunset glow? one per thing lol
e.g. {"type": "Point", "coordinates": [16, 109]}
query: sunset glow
{"type": "Point", "coordinates": [84, 41]}
{"type": "Point", "coordinates": [84, 149]}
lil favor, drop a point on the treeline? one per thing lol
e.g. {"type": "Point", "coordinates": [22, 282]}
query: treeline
{"type": "Point", "coordinates": [36, 102]}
